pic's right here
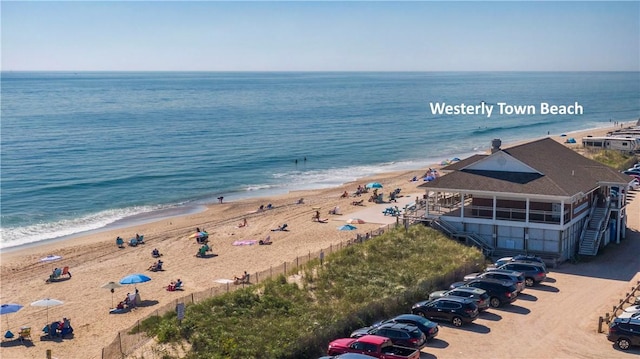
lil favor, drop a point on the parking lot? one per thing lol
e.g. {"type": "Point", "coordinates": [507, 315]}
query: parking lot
{"type": "Point", "coordinates": [556, 319]}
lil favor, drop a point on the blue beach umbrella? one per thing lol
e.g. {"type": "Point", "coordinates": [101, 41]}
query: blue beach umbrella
{"type": "Point", "coordinates": [455, 159]}
{"type": "Point", "coordinates": [374, 185]}
{"type": "Point", "coordinates": [347, 227]}
{"type": "Point", "coordinates": [8, 309]}
{"type": "Point", "coordinates": [429, 178]}
{"type": "Point", "coordinates": [134, 279]}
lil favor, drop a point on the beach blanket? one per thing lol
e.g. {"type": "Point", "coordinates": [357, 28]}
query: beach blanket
{"type": "Point", "coordinates": [245, 242]}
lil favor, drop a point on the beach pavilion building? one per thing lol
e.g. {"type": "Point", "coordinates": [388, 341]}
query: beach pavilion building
{"type": "Point", "coordinates": [537, 198]}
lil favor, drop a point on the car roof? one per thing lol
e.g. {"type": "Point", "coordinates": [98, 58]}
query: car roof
{"type": "Point", "coordinates": [629, 320]}
{"type": "Point", "coordinates": [529, 263]}
{"type": "Point", "coordinates": [490, 280]}
{"type": "Point", "coordinates": [453, 299]}
{"type": "Point", "coordinates": [469, 289]}
{"type": "Point", "coordinates": [514, 273]}
{"type": "Point", "coordinates": [414, 317]}
{"type": "Point", "coordinates": [402, 326]}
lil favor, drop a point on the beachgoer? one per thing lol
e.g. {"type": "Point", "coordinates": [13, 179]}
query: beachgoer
{"type": "Point", "coordinates": [220, 199]}
{"type": "Point", "coordinates": [317, 216]}
{"type": "Point", "coordinates": [155, 253]}
{"type": "Point", "coordinates": [243, 223]}
{"type": "Point", "coordinates": [301, 201]}
{"type": "Point", "coordinates": [345, 194]}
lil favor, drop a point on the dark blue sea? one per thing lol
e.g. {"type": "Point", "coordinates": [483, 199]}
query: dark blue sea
{"type": "Point", "coordinates": [81, 151]}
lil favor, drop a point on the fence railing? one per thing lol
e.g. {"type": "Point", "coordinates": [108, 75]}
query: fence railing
{"type": "Point", "coordinates": [129, 340]}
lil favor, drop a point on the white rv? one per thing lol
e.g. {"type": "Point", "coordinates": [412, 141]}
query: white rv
{"type": "Point", "coordinates": [624, 144]}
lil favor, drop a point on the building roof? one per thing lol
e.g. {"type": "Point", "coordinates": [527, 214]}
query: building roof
{"type": "Point", "coordinates": [555, 170]}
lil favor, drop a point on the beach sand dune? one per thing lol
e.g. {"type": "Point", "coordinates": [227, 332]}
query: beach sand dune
{"type": "Point", "coordinates": [95, 260]}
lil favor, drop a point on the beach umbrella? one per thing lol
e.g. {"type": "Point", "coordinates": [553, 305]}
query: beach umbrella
{"type": "Point", "coordinates": [8, 309]}
{"type": "Point", "coordinates": [134, 279]}
{"type": "Point", "coordinates": [347, 227]}
{"type": "Point", "coordinates": [111, 286]}
{"type": "Point", "coordinates": [47, 302]}
{"type": "Point", "coordinates": [374, 185]}
{"type": "Point", "coordinates": [455, 159]}
{"type": "Point", "coordinates": [429, 178]}
{"type": "Point", "coordinates": [356, 221]}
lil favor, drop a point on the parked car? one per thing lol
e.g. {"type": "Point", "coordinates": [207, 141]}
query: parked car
{"type": "Point", "coordinates": [625, 332]}
{"type": "Point", "coordinates": [533, 273]}
{"type": "Point", "coordinates": [372, 345]}
{"type": "Point", "coordinates": [500, 292]}
{"type": "Point", "coordinates": [480, 296]}
{"type": "Point", "coordinates": [457, 310]}
{"type": "Point", "coordinates": [405, 335]}
{"type": "Point", "coordinates": [429, 328]}
{"type": "Point", "coordinates": [632, 172]}
{"type": "Point", "coordinates": [347, 356]}
{"type": "Point", "coordinates": [635, 184]}
{"type": "Point", "coordinates": [516, 278]}
{"type": "Point", "coordinates": [530, 258]}
{"type": "Point", "coordinates": [526, 258]}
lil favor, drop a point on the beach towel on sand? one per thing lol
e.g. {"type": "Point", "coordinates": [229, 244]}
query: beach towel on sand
{"type": "Point", "coordinates": [245, 242]}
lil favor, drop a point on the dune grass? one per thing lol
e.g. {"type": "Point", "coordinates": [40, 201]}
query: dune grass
{"type": "Point", "coordinates": [296, 316]}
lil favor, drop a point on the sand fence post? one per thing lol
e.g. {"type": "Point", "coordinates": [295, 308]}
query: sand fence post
{"type": "Point", "coordinates": [600, 321]}
{"type": "Point", "coordinates": [120, 343]}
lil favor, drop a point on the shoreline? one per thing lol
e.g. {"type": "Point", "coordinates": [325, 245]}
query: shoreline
{"type": "Point", "coordinates": [94, 259]}
{"type": "Point", "coordinates": [196, 207]}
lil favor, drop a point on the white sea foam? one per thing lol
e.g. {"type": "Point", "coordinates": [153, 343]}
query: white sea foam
{"type": "Point", "coordinates": [12, 237]}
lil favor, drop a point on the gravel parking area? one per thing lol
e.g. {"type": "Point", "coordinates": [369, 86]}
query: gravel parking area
{"type": "Point", "coordinates": [559, 317]}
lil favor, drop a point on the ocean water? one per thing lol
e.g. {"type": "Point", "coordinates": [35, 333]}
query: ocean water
{"type": "Point", "coordinates": [83, 151]}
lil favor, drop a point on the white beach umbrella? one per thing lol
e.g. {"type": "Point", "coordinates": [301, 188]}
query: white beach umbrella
{"type": "Point", "coordinates": [47, 302]}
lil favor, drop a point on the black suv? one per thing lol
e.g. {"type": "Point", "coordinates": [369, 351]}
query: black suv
{"type": "Point", "coordinates": [457, 310]}
{"type": "Point", "coordinates": [480, 296]}
{"type": "Point", "coordinates": [406, 335]}
{"type": "Point", "coordinates": [502, 274]}
{"type": "Point", "coordinates": [429, 328]}
{"type": "Point", "coordinates": [625, 332]}
{"type": "Point", "coordinates": [533, 273]}
{"type": "Point", "coordinates": [500, 291]}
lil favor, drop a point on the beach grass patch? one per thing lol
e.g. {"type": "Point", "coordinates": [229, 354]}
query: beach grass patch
{"type": "Point", "coordinates": [283, 318]}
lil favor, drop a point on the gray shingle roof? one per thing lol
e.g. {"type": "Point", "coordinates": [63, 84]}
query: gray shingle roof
{"type": "Point", "coordinates": [565, 172]}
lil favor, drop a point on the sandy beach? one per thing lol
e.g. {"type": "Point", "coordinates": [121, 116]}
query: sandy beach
{"type": "Point", "coordinates": [95, 259]}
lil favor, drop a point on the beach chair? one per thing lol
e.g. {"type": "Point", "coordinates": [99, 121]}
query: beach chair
{"type": "Point", "coordinates": [58, 273]}
{"type": "Point", "coordinates": [25, 334]}
{"type": "Point", "coordinates": [133, 242]}
{"type": "Point", "coordinates": [266, 241]}
{"type": "Point", "coordinates": [120, 242]}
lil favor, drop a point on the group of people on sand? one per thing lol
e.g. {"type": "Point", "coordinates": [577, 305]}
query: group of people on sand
{"type": "Point", "coordinates": [174, 285]}
{"type": "Point", "coordinates": [60, 328]}
{"type": "Point", "coordinates": [133, 242]}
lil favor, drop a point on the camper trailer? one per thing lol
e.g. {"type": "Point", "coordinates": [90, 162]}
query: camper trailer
{"type": "Point", "coordinates": [624, 144]}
